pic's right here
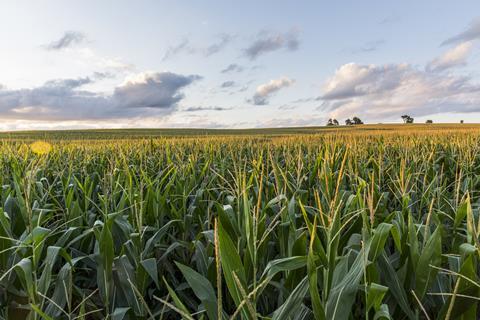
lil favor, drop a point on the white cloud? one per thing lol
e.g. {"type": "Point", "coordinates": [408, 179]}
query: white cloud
{"type": "Point", "coordinates": [264, 91]}
{"type": "Point", "coordinates": [454, 57]}
{"type": "Point", "coordinates": [388, 91]}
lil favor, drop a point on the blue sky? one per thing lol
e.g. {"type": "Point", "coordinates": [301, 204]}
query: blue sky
{"type": "Point", "coordinates": [87, 64]}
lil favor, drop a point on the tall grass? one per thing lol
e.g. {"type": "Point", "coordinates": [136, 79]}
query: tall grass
{"type": "Point", "coordinates": [341, 225]}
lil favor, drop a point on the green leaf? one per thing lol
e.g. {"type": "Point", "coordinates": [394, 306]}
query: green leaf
{"type": "Point", "coordinates": [394, 285]}
{"type": "Point", "coordinates": [378, 240]}
{"type": "Point", "coordinates": [317, 305]}
{"type": "Point", "coordinates": [383, 313]}
{"type": "Point", "coordinates": [431, 255]}
{"type": "Point", "coordinates": [150, 267]}
{"type": "Point", "coordinates": [178, 303]}
{"type": "Point", "coordinates": [202, 288]}
{"type": "Point", "coordinates": [231, 264]}
{"type": "Point", "coordinates": [375, 294]}
{"type": "Point", "coordinates": [25, 273]}
{"type": "Point", "coordinates": [119, 313]}
{"type": "Point", "coordinates": [293, 302]}
{"type": "Point", "coordinates": [283, 264]}
{"type": "Point", "coordinates": [343, 293]}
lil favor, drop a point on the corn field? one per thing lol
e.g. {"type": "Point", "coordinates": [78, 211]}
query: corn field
{"type": "Point", "coordinates": [336, 225]}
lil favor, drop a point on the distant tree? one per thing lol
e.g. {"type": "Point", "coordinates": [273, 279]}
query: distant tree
{"type": "Point", "coordinates": [356, 120]}
{"type": "Point", "coordinates": [429, 121]}
{"type": "Point", "coordinates": [461, 121]}
{"type": "Point", "coordinates": [348, 122]}
{"type": "Point", "coordinates": [332, 122]}
{"type": "Point", "coordinates": [407, 119]}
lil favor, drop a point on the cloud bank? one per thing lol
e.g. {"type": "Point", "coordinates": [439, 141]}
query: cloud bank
{"type": "Point", "coordinates": [388, 91]}
{"type": "Point", "coordinates": [144, 94]}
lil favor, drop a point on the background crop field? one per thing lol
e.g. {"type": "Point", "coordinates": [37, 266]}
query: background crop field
{"type": "Point", "coordinates": [365, 222]}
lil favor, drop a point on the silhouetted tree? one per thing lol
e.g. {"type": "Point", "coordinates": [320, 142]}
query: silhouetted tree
{"type": "Point", "coordinates": [348, 122]}
{"type": "Point", "coordinates": [429, 121]}
{"type": "Point", "coordinates": [461, 121]}
{"type": "Point", "coordinates": [407, 119]}
{"type": "Point", "coordinates": [356, 120]}
{"type": "Point", "coordinates": [332, 122]}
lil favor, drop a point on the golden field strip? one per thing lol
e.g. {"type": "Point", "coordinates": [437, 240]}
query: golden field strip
{"type": "Point", "coordinates": [362, 222]}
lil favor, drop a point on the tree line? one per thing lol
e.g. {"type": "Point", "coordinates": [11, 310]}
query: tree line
{"type": "Point", "coordinates": [356, 121]}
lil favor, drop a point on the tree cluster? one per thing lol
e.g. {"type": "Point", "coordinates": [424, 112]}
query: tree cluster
{"type": "Point", "coordinates": [348, 122]}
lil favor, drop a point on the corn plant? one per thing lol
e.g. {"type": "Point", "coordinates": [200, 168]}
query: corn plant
{"type": "Point", "coordinates": [281, 224]}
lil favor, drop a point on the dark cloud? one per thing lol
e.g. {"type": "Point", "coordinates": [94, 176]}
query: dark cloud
{"type": "Point", "coordinates": [157, 90]}
{"type": "Point", "coordinates": [233, 67]}
{"type": "Point", "coordinates": [471, 33]}
{"type": "Point", "coordinates": [69, 39]}
{"type": "Point", "coordinates": [268, 42]}
{"type": "Point", "coordinates": [148, 94]}
{"type": "Point", "coordinates": [228, 84]}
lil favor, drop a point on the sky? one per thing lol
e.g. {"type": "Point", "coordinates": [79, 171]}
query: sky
{"type": "Point", "coordinates": [236, 64]}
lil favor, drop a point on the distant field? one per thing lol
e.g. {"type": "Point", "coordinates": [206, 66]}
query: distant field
{"type": "Point", "coordinates": [151, 133]}
{"type": "Point", "coordinates": [365, 222]}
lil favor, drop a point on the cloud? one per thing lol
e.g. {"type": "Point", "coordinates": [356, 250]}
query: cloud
{"type": "Point", "coordinates": [268, 42]}
{"type": "Point", "coordinates": [182, 47]}
{"type": "Point", "coordinates": [214, 108]}
{"type": "Point", "coordinates": [471, 33]}
{"type": "Point", "coordinates": [186, 47]}
{"type": "Point", "coordinates": [387, 91]}
{"type": "Point", "coordinates": [158, 90]}
{"type": "Point", "coordinates": [390, 19]}
{"type": "Point", "coordinates": [224, 40]}
{"type": "Point", "coordinates": [233, 67]}
{"type": "Point", "coordinates": [454, 57]}
{"type": "Point", "coordinates": [369, 46]}
{"type": "Point", "coordinates": [228, 84]}
{"type": "Point", "coordinates": [146, 94]}
{"type": "Point", "coordinates": [69, 39]}
{"type": "Point", "coordinates": [292, 121]}
{"type": "Point", "coordinates": [265, 91]}
{"type": "Point", "coordinates": [89, 57]}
